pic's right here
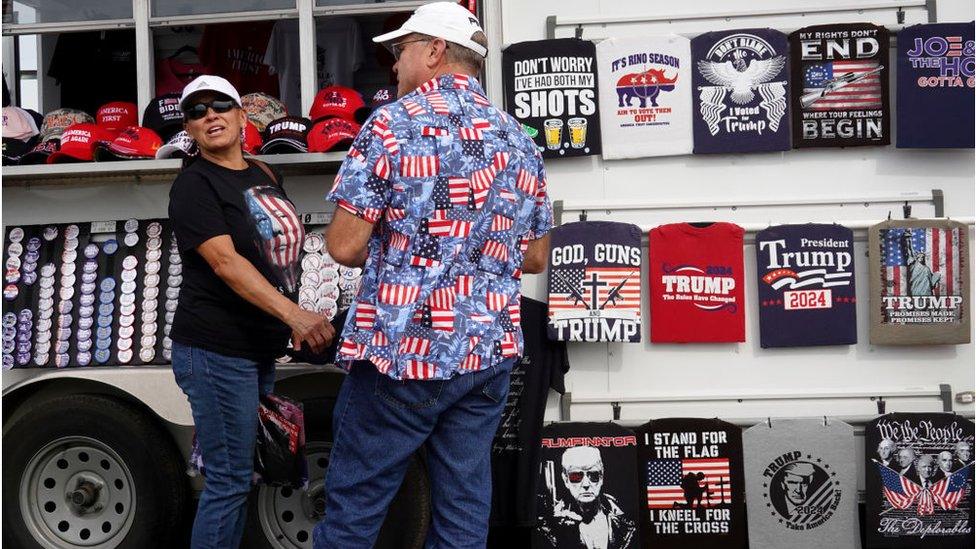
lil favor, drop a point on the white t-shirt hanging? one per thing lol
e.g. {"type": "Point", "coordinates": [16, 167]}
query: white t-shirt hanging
{"type": "Point", "coordinates": [645, 96]}
{"type": "Point", "coordinates": [338, 54]}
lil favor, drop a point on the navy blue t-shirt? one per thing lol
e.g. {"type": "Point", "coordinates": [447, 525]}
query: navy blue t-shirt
{"type": "Point", "coordinates": [935, 86]}
{"type": "Point", "coordinates": [806, 285]}
{"type": "Point", "coordinates": [741, 82]}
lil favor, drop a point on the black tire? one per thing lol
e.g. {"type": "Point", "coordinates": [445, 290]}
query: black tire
{"type": "Point", "coordinates": [406, 521]}
{"type": "Point", "coordinates": [77, 429]}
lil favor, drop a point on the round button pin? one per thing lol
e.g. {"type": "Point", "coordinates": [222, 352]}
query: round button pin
{"type": "Point", "coordinates": [106, 297]}
{"type": "Point", "coordinates": [149, 317]}
{"type": "Point", "coordinates": [88, 279]}
{"type": "Point", "coordinates": [86, 311]}
{"type": "Point", "coordinates": [46, 313]}
{"type": "Point", "coordinates": [43, 347]}
{"type": "Point", "coordinates": [86, 299]}
{"type": "Point", "coordinates": [131, 225]}
{"type": "Point", "coordinates": [166, 329]}
{"type": "Point", "coordinates": [33, 244]}
{"type": "Point", "coordinates": [12, 276]}
{"type": "Point", "coordinates": [84, 345]}
{"type": "Point", "coordinates": [67, 292]}
{"type": "Point", "coordinates": [154, 229]}
{"type": "Point", "coordinates": [153, 255]}
{"type": "Point", "coordinates": [8, 346]}
{"type": "Point", "coordinates": [9, 320]}
{"type": "Point", "coordinates": [87, 285]}
{"type": "Point", "coordinates": [106, 309]}
{"type": "Point", "coordinates": [10, 292]}
{"type": "Point", "coordinates": [29, 278]}
{"type": "Point", "coordinates": [102, 356]}
{"type": "Point", "coordinates": [110, 246]}
{"type": "Point", "coordinates": [88, 267]}
{"type": "Point", "coordinates": [127, 299]}
{"type": "Point", "coordinates": [107, 284]}
{"type": "Point", "coordinates": [169, 317]}
{"type": "Point", "coordinates": [65, 321]}
{"type": "Point", "coordinates": [48, 270]}
{"type": "Point", "coordinates": [167, 343]}
{"type": "Point", "coordinates": [41, 359]}
{"type": "Point", "coordinates": [127, 310]}
{"type": "Point", "coordinates": [128, 275]}
{"type": "Point", "coordinates": [129, 262]}
{"type": "Point", "coordinates": [68, 268]}
{"type": "Point", "coordinates": [72, 231]}
{"type": "Point", "coordinates": [13, 263]}
{"type": "Point", "coordinates": [61, 360]}
{"type": "Point", "coordinates": [147, 354]}
{"type": "Point", "coordinates": [67, 280]}
{"type": "Point", "coordinates": [16, 234]}
{"type": "Point", "coordinates": [33, 255]}
{"type": "Point", "coordinates": [151, 280]}
{"type": "Point", "coordinates": [44, 324]}
{"type": "Point", "coordinates": [126, 331]}
{"type": "Point", "coordinates": [71, 244]}
{"type": "Point", "coordinates": [83, 359]}
{"type": "Point", "coordinates": [172, 293]}
{"type": "Point", "coordinates": [69, 256]}
{"type": "Point", "coordinates": [61, 347]}
{"type": "Point", "coordinates": [65, 307]}
{"type": "Point", "coordinates": [125, 356]}
{"type": "Point", "coordinates": [8, 361]}
{"type": "Point", "coordinates": [104, 322]}
{"type": "Point", "coordinates": [311, 262]}
{"type": "Point", "coordinates": [131, 239]}
{"type": "Point", "coordinates": [175, 259]}
{"type": "Point", "coordinates": [91, 251]}
{"type": "Point", "coordinates": [171, 305]}
{"type": "Point", "coordinates": [50, 233]}
{"type": "Point", "coordinates": [126, 320]}
{"type": "Point", "coordinates": [64, 334]}
{"type": "Point", "coordinates": [152, 267]}
{"type": "Point", "coordinates": [102, 344]}
{"type": "Point", "coordinates": [46, 292]}
{"type": "Point", "coordinates": [124, 343]}
{"type": "Point", "coordinates": [311, 278]}
{"type": "Point", "coordinates": [129, 287]}
{"type": "Point", "coordinates": [83, 334]}
{"type": "Point", "coordinates": [43, 336]}
{"type": "Point", "coordinates": [314, 242]}
{"type": "Point", "coordinates": [148, 329]}
{"type": "Point", "coordinates": [85, 322]}
{"type": "Point", "coordinates": [154, 243]}
{"type": "Point", "coordinates": [174, 270]}
{"type": "Point", "coordinates": [29, 266]}
{"type": "Point", "coordinates": [174, 281]}
{"type": "Point", "coordinates": [150, 292]}
{"type": "Point", "coordinates": [15, 249]}
{"type": "Point", "coordinates": [149, 305]}
{"type": "Point", "coordinates": [103, 332]}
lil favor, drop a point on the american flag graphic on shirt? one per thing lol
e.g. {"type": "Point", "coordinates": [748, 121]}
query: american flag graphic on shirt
{"type": "Point", "coordinates": [664, 477]}
{"type": "Point", "coordinates": [437, 174]}
{"type": "Point", "coordinates": [279, 232]}
{"type": "Point", "coordinates": [935, 248]}
{"type": "Point", "coordinates": [862, 93]}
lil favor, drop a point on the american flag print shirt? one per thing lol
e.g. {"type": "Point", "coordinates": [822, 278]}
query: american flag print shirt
{"type": "Point", "coordinates": [456, 190]}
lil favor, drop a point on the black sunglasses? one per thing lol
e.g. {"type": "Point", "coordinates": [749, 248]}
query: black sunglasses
{"type": "Point", "coordinates": [576, 477]}
{"type": "Point", "coordinates": [199, 110]}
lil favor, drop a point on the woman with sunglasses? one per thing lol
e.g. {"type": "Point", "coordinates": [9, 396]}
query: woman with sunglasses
{"type": "Point", "coordinates": [239, 239]}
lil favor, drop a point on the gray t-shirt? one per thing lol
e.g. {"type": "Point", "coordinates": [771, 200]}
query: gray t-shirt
{"type": "Point", "coordinates": [801, 485]}
{"type": "Point", "coordinates": [338, 54]}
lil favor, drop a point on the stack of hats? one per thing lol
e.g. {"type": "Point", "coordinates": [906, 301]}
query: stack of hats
{"type": "Point", "coordinates": [49, 139]}
{"type": "Point", "coordinates": [334, 121]}
{"type": "Point", "coordinates": [19, 133]}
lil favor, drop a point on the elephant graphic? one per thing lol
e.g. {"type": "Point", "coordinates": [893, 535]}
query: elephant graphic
{"type": "Point", "coordinates": [644, 86]}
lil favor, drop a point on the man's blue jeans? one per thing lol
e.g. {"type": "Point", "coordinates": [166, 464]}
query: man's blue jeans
{"type": "Point", "coordinates": [378, 423]}
{"type": "Point", "coordinates": [223, 393]}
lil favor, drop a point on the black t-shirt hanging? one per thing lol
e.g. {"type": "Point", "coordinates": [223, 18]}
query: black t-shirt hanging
{"type": "Point", "coordinates": [208, 200]}
{"type": "Point", "coordinates": [919, 481]}
{"type": "Point", "coordinates": [515, 451]}
{"type": "Point", "coordinates": [586, 495]}
{"type": "Point", "coordinates": [691, 473]}
{"type": "Point", "coordinates": [840, 85]}
{"type": "Point", "coordinates": [94, 68]}
{"type": "Point", "coordinates": [551, 88]}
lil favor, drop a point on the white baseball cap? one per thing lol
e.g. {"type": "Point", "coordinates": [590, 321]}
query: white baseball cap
{"type": "Point", "coordinates": [209, 82]}
{"type": "Point", "coordinates": [445, 20]}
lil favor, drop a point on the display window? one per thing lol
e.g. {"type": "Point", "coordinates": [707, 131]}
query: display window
{"type": "Point", "coordinates": [28, 12]}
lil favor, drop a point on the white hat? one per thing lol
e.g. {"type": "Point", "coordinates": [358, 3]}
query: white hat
{"type": "Point", "coordinates": [179, 146]}
{"type": "Point", "coordinates": [209, 82]}
{"type": "Point", "coordinates": [445, 20]}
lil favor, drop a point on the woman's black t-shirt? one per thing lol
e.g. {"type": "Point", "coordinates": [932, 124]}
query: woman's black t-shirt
{"type": "Point", "coordinates": [208, 200]}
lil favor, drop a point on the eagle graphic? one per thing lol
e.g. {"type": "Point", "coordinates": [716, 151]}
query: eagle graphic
{"type": "Point", "coordinates": [740, 76]}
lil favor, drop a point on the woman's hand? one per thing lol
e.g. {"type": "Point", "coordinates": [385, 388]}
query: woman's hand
{"type": "Point", "coordinates": [312, 328]}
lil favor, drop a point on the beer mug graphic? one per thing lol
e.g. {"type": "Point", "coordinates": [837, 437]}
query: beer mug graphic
{"type": "Point", "coordinates": [554, 133]}
{"type": "Point", "coordinates": [577, 132]}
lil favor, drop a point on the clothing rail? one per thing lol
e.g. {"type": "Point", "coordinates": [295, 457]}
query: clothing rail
{"type": "Point", "coordinates": [934, 197]}
{"type": "Point", "coordinates": [554, 21]}
{"type": "Point", "coordinates": [852, 224]}
{"type": "Point", "coordinates": [942, 392]}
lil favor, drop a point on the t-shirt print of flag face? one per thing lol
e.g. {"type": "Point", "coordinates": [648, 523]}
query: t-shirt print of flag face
{"type": "Point", "coordinates": [278, 233]}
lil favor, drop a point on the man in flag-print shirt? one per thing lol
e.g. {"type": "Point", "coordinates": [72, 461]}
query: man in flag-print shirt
{"type": "Point", "coordinates": [443, 198]}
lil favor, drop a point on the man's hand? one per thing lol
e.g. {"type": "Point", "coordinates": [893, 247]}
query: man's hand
{"type": "Point", "coordinates": [309, 327]}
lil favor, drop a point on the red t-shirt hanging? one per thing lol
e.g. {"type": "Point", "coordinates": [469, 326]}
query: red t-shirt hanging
{"type": "Point", "coordinates": [696, 283]}
{"type": "Point", "coordinates": [236, 52]}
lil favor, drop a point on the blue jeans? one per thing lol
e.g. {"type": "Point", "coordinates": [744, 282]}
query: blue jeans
{"type": "Point", "coordinates": [378, 423]}
{"type": "Point", "coordinates": [223, 393]}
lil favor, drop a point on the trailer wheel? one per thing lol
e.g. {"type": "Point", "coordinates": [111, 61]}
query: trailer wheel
{"type": "Point", "coordinates": [89, 471]}
{"type": "Point", "coordinates": [283, 518]}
